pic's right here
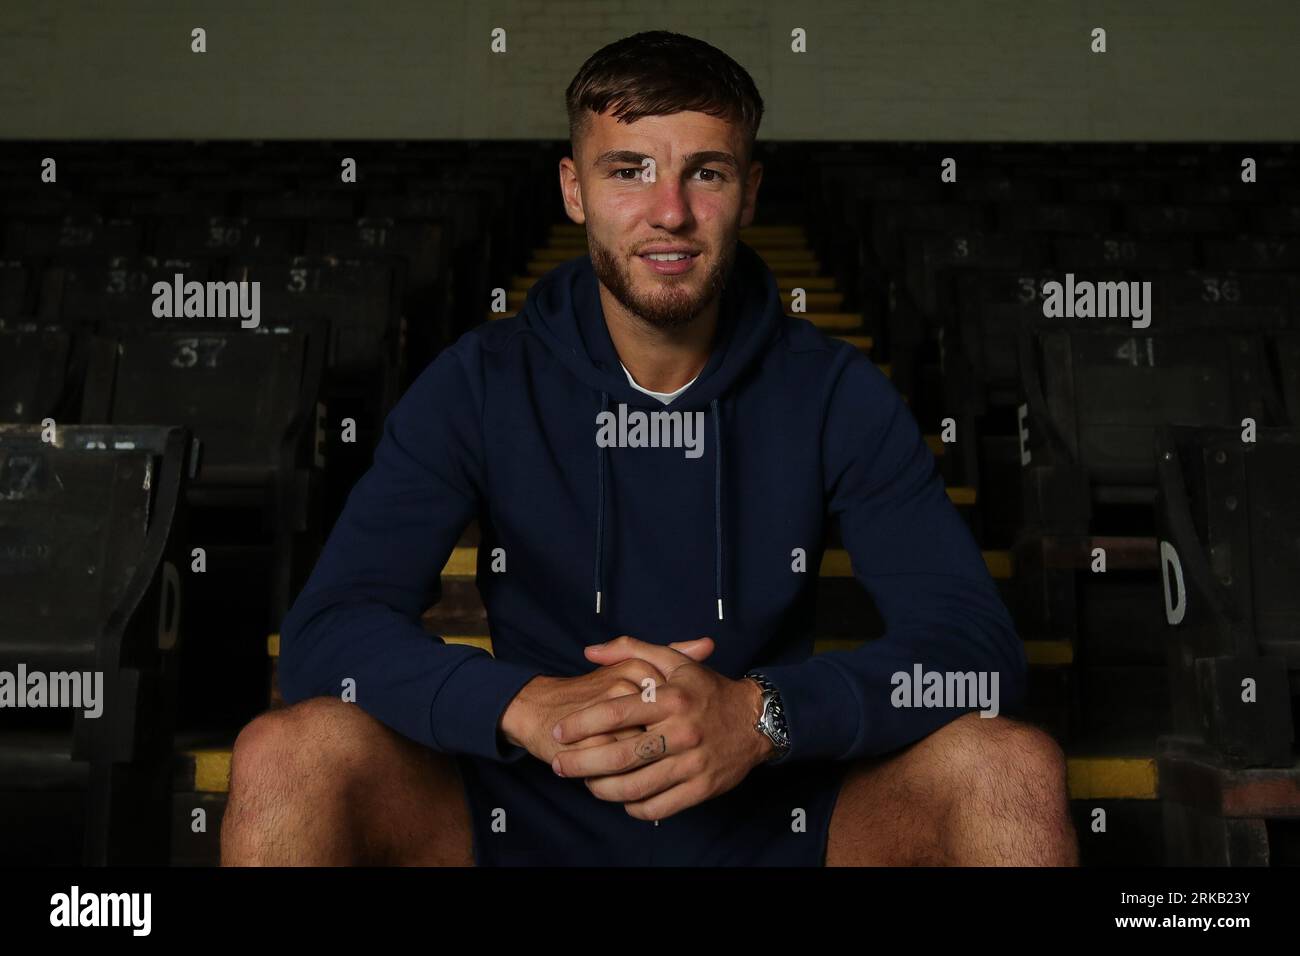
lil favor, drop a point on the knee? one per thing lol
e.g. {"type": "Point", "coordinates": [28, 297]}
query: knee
{"type": "Point", "coordinates": [323, 735]}
{"type": "Point", "coordinates": [993, 754]}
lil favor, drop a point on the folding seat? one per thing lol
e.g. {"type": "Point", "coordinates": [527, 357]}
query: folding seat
{"type": "Point", "coordinates": [1253, 254]}
{"type": "Point", "coordinates": [34, 383]}
{"type": "Point", "coordinates": [1275, 219]}
{"type": "Point", "coordinates": [884, 225]}
{"type": "Point", "coordinates": [71, 237]}
{"type": "Point", "coordinates": [17, 290]}
{"type": "Point", "coordinates": [365, 362]}
{"type": "Point", "coordinates": [1139, 253]}
{"type": "Point", "coordinates": [252, 396]}
{"type": "Point", "coordinates": [844, 186]}
{"type": "Point", "coordinates": [310, 207]}
{"type": "Point", "coordinates": [120, 190]}
{"type": "Point", "coordinates": [96, 289]}
{"type": "Point", "coordinates": [418, 250]}
{"type": "Point", "coordinates": [1284, 350]}
{"type": "Point", "coordinates": [361, 298]}
{"type": "Point", "coordinates": [1113, 191]}
{"type": "Point", "coordinates": [49, 202]}
{"type": "Point", "coordinates": [932, 265]}
{"type": "Point", "coordinates": [176, 237]}
{"type": "Point", "coordinates": [1181, 219]}
{"type": "Point", "coordinates": [1094, 398]}
{"type": "Point", "coordinates": [1249, 302]}
{"type": "Point", "coordinates": [463, 217]}
{"type": "Point", "coordinates": [237, 186]}
{"type": "Point", "coordinates": [1037, 218]}
{"type": "Point", "coordinates": [92, 529]}
{"type": "Point", "coordinates": [996, 189]}
{"type": "Point", "coordinates": [1228, 522]}
{"type": "Point", "coordinates": [980, 364]}
{"type": "Point", "coordinates": [511, 239]}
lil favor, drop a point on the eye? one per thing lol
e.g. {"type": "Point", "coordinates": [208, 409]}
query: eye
{"type": "Point", "coordinates": [634, 170]}
{"type": "Point", "coordinates": [716, 175]}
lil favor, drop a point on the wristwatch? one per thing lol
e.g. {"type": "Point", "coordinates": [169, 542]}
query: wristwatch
{"type": "Point", "coordinates": [771, 721]}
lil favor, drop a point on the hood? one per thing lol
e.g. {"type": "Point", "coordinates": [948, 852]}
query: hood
{"type": "Point", "coordinates": [563, 308]}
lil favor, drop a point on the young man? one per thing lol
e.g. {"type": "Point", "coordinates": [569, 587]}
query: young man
{"type": "Point", "coordinates": [653, 698]}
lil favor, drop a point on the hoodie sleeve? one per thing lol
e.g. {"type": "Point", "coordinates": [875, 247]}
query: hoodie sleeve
{"type": "Point", "coordinates": [919, 562]}
{"type": "Point", "coordinates": [358, 616]}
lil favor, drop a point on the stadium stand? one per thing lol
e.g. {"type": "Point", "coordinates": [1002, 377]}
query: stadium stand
{"type": "Point", "coordinates": [1058, 438]}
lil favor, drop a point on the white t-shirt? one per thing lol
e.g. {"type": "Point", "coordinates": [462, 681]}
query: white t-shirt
{"type": "Point", "coordinates": [664, 397]}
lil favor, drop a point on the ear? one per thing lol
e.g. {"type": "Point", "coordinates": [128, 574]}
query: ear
{"type": "Point", "coordinates": [571, 190]}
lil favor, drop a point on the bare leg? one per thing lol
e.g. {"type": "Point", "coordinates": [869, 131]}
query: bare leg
{"type": "Point", "coordinates": [978, 791]}
{"type": "Point", "coordinates": [323, 783]}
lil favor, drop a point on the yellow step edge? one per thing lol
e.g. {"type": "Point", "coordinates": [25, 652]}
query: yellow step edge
{"type": "Point", "coordinates": [1049, 653]}
{"type": "Point", "coordinates": [1090, 778]}
{"type": "Point", "coordinates": [962, 495]}
{"type": "Point", "coordinates": [845, 322]}
{"type": "Point", "coordinates": [1038, 653]}
{"type": "Point", "coordinates": [462, 562]}
{"type": "Point", "coordinates": [808, 283]}
{"type": "Point", "coordinates": [1000, 565]}
{"type": "Point", "coordinates": [836, 563]}
{"type": "Point", "coordinates": [820, 301]}
{"type": "Point", "coordinates": [862, 344]}
{"type": "Point", "coordinates": [211, 769]}
{"type": "Point", "coordinates": [1112, 778]}
{"type": "Point", "coordinates": [273, 642]}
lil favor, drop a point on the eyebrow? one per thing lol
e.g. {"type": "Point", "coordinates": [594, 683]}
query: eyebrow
{"type": "Point", "coordinates": [692, 159]}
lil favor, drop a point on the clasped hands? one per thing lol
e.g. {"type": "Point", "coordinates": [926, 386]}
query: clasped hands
{"type": "Point", "coordinates": [657, 751]}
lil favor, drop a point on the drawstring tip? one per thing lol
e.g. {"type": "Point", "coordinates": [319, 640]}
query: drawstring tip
{"type": "Point", "coordinates": [597, 602]}
{"type": "Point", "coordinates": [719, 609]}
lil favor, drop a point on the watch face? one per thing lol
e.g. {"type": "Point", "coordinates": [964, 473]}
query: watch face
{"type": "Point", "coordinates": [774, 722]}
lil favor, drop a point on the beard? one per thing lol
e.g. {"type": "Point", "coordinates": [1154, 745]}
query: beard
{"type": "Point", "coordinates": [673, 304]}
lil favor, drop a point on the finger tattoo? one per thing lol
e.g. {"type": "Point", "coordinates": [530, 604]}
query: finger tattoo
{"type": "Point", "coordinates": [651, 748]}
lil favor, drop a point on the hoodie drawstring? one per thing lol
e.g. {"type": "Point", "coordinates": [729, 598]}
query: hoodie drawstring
{"type": "Point", "coordinates": [717, 499]}
{"type": "Point", "coordinates": [600, 502]}
{"type": "Point", "coordinates": [717, 504]}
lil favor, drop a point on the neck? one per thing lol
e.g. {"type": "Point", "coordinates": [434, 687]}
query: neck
{"type": "Point", "coordinates": [662, 360]}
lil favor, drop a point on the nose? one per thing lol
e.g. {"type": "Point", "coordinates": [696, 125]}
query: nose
{"type": "Point", "coordinates": [669, 209]}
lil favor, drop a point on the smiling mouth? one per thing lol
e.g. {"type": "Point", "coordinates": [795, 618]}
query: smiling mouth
{"type": "Point", "coordinates": [668, 256]}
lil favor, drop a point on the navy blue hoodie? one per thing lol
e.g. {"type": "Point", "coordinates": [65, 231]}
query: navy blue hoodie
{"type": "Point", "coordinates": [652, 542]}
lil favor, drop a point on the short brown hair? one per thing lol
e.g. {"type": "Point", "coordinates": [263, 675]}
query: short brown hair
{"type": "Point", "coordinates": [657, 73]}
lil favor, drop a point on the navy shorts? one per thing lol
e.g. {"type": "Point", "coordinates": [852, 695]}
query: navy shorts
{"type": "Point", "coordinates": [522, 814]}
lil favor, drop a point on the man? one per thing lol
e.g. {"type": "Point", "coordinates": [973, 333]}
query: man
{"type": "Point", "coordinates": [636, 568]}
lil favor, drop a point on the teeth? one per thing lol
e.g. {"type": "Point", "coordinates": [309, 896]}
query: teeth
{"type": "Point", "coordinates": [667, 256]}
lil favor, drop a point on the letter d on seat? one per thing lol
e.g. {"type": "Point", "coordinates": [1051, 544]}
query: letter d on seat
{"type": "Point", "coordinates": [1169, 559]}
